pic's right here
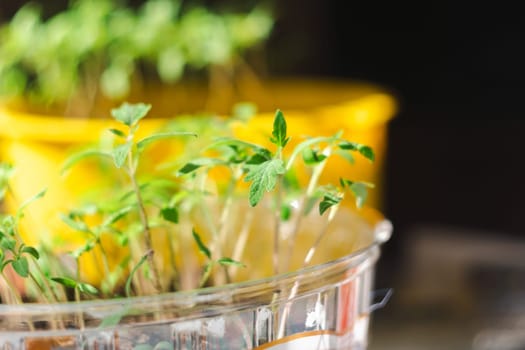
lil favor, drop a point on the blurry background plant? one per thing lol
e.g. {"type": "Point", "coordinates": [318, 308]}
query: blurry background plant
{"type": "Point", "coordinates": [97, 48]}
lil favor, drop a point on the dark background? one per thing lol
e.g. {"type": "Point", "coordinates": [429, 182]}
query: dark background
{"type": "Point", "coordinates": [455, 150]}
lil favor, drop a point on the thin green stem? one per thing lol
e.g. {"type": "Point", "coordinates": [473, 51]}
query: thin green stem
{"type": "Point", "coordinates": [145, 223]}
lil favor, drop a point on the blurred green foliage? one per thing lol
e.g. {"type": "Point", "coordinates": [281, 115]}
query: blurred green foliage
{"type": "Point", "coordinates": [101, 45]}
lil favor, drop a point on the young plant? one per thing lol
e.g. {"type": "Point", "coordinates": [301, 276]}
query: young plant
{"type": "Point", "coordinates": [157, 214]}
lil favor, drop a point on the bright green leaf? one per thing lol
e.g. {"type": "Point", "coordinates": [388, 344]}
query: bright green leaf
{"type": "Point", "coordinates": [328, 201]}
{"type": "Point", "coordinates": [20, 211]}
{"type": "Point", "coordinates": [202, 247]}
{"type": "Point", "coordinates": [117, 215]}
{"type": "Point", "coordinates": [87, 289]}
{"type": "Point", "coordinates": [198, 163]}
{"type": "Point", "coordinates": [312, 157]}
{"type": "Point", "coordinates": [120, 154]}
{"type": "Point", "coordinates": [77, 157]}
{"type": "Point", "coordinates": [31, 251]}
{"type": "Point", "coordinates": [307, 144]}
{"type": "Point", "coordinates": [117, 132]}
{"type": "Point", "coordinates": [170, 214]}
{"type": "Point", "coordinates": [21, 266]}
{"type": "Point", "coordinates": [129, 114]}
{"type": "Point", "coordinates": [65, 281]}
{"type": "Point", "coordinates": [230, 262]}
{"type": "Point", "coordinates": [263, 178]}
{"type": "Point", "coordinates": [74, 224]}
{"type": "Point", "coordinates": [160, 136]}
{"type": "Point", "coordinates": [279, 130]}
{"type": "Point", "coordinates": [360, 192]}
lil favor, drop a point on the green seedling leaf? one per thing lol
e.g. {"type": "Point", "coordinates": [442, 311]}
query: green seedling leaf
{"type": "Point", "coordinates": [31, 251]}
{"type": "Point", "coordinates": [77, 157]}
{"type": "Point", "coordinates": [312, 157]}
{"type": "Point", "coordinates": [307, 144]}
{"type": "Point", "coordinates": [6, 172]}
{"type": "Point", "coordinates": [345, 155]}
{"type": "Point", "coordinates": [142, 260]}
{"type": "Point", "coordinates": [364, 150]}
{"type": "Point", "coordinates": [21, 266]}
{"type": "Point", "coordinates": [198, 163]}
{"type": "Point", "coordinates": [120, 154]}
{"type": "Point", "coordinates": [202, 247]}
{"type": "Point", "coordinates": [117, 132]}
{"type": "Point", "coordinates": [84, 249]}
{"type": "Point", "coordinates": [87, 288]}
{"type": "Point", "coordinates": [279, 130]}
{"type": "Point", "coordinates": [230, 262]}
{"type": "Point", "coordinates": [160, 136]}
{"type": "Point", "coordinates": [360, 192]}
{"type": "Point", "coordinates": [239, 144]}
{"type": "Point", "coordinates": [7, 243]}
{"type": "Point", "coordinates": [129, 114]}
{"type": "Point", "coordinates": [263, 178]}
{"type": "Point", "coordinates": [170, 214]}
{"type": "Point", "coordinates": [80, 156]}
{"type": "Point", "coordinates": [206, 273]}
{"type": "Point", "coordinates": [65, 281]}
{"type": "Point", "coordinates": [74, 224]}
{"type": "Point", "coordinates": [116, 216]}
{"type": "Point", "coordinates": [286, 212]}
{"type": "Point", "coordinates": [26, 203]}
{"type": "Point", "coordinates": [328, 201]}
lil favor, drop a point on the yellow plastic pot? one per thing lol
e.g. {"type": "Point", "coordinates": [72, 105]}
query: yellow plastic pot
{"type": "Point", "coordinates": [38, 144]}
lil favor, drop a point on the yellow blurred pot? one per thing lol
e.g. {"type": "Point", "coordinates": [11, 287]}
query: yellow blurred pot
{"type": "Point", "coordinates": [38, 144]}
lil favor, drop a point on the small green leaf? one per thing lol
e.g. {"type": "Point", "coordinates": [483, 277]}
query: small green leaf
{"type": "Point", "coordinates": [129, 114]}
{"type": "Point", "coordinates": [31, 251]}
{"type": "Point", "coordinates": [117, 132]}
{"type": "Point", "coordinates": [286, 212]}
{"type": "Point", "coordinates": [263, 178]}
{"type": "Point", "coordinates": [311, 157]}
{"type": "Point", "coordinates": [202, 247]}
{"type": "Point", "coordinates": [120, 154]}
{"type": "Point", "coordinates": [20, 211]}
{"type": "Point", "coordinates": [170, 214]}
{"type": "Point", "coordinates": [279, 130]}
{"type": "Point", "coordinates": [21, 266]}
{"type": "Point", "coordinates": [206, 273]}
{"type": "Point", "coordinates": [117, 215]}
{"type": "Point", "coordinates": [364, 150]}
{"type": "Point", "coordinates": [367, 152]}
{"type": "Point", "coordinates": [198, 163]}
{"type": "Point", "coordinates": [87, 288]}
{"type": "Point", "coordinates": [65, 281]}
{"type": "Point", "coordinates": [346, 155]}
{"type": "Point", "coordinates": [360, 192]}
{"type": "Point", "coordinates": [84, 249]}
{"type": "Point", "coordinates": [230, 262]}
{"type": "Point", "coordinates": [77, 157]}
{"type": "Point", "coordinates": [166, 135]}
{"type": "Point", "coordinates": [307, 144]}
{"type": "Point", "coordinates": [74, 224]}
{"type": "Point", "coordinates": [142, 260]}
{"type": "Point", "coordinates": [7, 243]}
{"type": "Point", "coordinates": [328, 201]}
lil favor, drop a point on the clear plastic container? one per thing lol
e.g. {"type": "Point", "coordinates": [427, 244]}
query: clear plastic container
{"type": "Point", "coordinates": [325, 306]}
